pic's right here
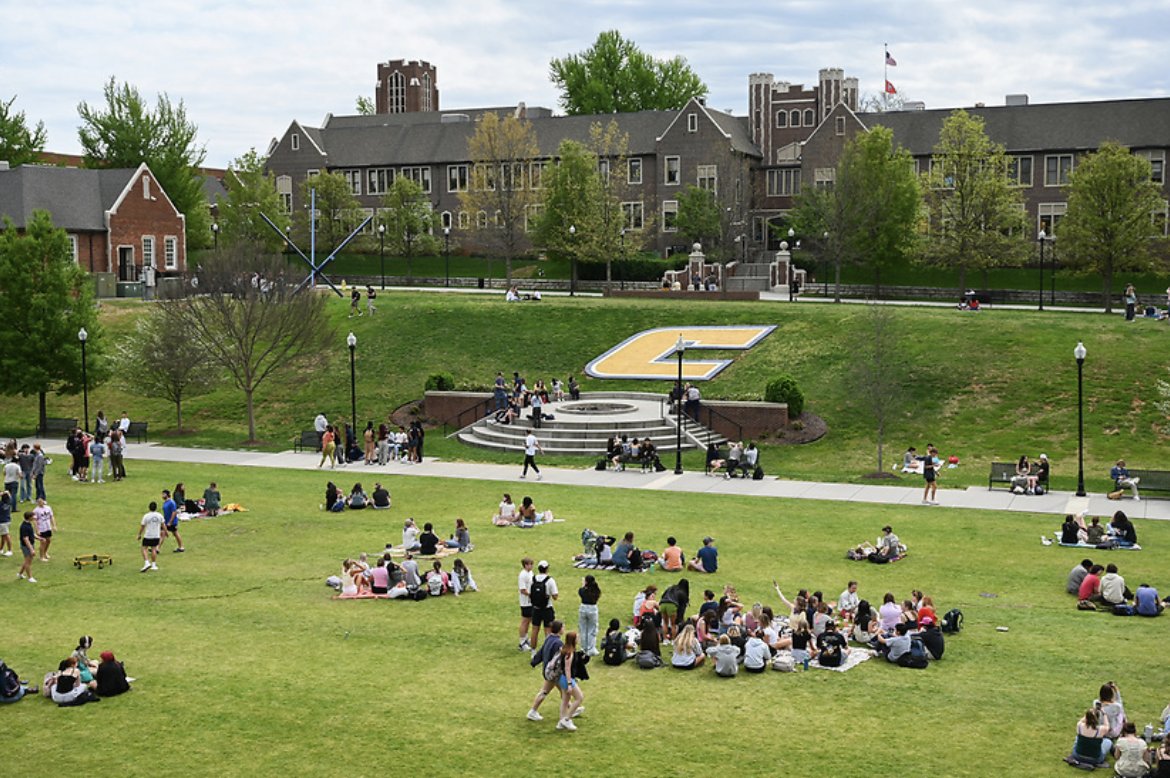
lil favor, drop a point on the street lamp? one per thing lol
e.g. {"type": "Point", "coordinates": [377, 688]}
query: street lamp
{"type": "Point", "coordinates": [791, 268]}
{"type": "Point", "coordinates": [825, 261]}
{"type": "Point", "coordinates": [215, 234]}
{"type": "Point", "coordinates": [622, 259]}
{"type": "Point", "coordinates": [83, 336]}
{"type": "Point", "coordinates": [351, 340]}
{"type": "Point", "coordinates": [382, 252]}
{"type": "Point", "coordinates": [1079, 352]}
{"type": "Point", "coordinates": [679, 348]}
{"type": "Point", "coordinates": [447, 255]}
{"type": "Point", "coordinates": [572, 261]}
{"type": "Point", "coordinates": [1040, 239]}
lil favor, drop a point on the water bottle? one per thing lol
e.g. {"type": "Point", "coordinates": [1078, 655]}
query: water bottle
{"type": "Point", "coordinates": [1149, 733]}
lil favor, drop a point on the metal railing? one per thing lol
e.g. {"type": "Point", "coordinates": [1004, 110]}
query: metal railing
{"type": "Point", "coordinates": [478, 411]}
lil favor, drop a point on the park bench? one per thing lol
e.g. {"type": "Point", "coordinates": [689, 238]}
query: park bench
{"type": "Point", "coordinates": [309, 440]}
{"type": "Point", "coordinates": [1151, 480]}
{"type": "Point", "coordinates": [137, 430]}
{"type": "Point", "coordinates": [56, 426]}
{"type": "Point", "coordinates": [1002, 474]}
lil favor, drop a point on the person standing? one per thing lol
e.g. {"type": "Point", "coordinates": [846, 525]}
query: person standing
{"type": "Point", "coordinates": [371, 295]}
{"type": "Point", "coordinates": [28, 541]}
{"type": "Point", "coordinates": [25, 459]}
{"type": "Point", "coordinates": [97, 452]}
{"type": "Point", "coordinates": [369, 438]}
{"type": "Point", "coordinates": [46, 526]}
{"type": "Point", "coordinates": [587, 617]}
{"type": "Point", "coordinates": [12, 476]}
{"type": "Point", "coordinates": [355, 299]}
{"type": "Point", "coordinates": [117, 448]}
{"type": "Point", "coordinates": [531, 446]}
{"type": "Point", "coordinates": [543, 593]}
{"type": "Point", "coordinates": [170, 512]}
{"type": "Point", "coordinates": [500, 393]}
{"type": "Point", "coordinates": [38, 471]}
{"type": "Point", "coordinates": [930, 476]}
{"type": "Point", "coordinates": [537, 403]}
{"type": "Point", "coordinates": [6, 503]}
{"type": "Point", "coordinates": [574, 388]}
{"type": "Point", "coordinates": [524, 584]}
{"type": "Point", "coordinates": [151, 533]}
{"type": "Point", "coordinates": [1130, 302]}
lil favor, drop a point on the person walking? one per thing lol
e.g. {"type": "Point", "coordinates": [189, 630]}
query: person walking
{"type": "Point", "coordinates": [28, 542]}
{"type": "Point", "coordinates": [930, 475]}
{"type": "Point", "coordinates": [371, 295]}
{"type": "Point", "coordinates": [170, 512]}
{"type": "Point", "coordinates": [531, 446]}
{"type": "Point", "coordinates": [543, 594]}
{"type": "Point", "coordinates": [38, 471]}
{"type": "Point", "coordinates": [587, 617]}
{"type": "Point", "coordinates": [151, 533]}
{"type": "Point", "coordinates": [46, 526]}
{"type": "Point", "coordinates": [328, 447]}
{"type": "Point", "coordinates": [524, 584]}
{"type": "Point", "coordinates": [540, 658]}
{"type": "Point", "coordinates": [7, 502]}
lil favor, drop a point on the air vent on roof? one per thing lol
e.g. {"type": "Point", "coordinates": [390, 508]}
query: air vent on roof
{"type": "Point", "coordinates": [1020, 99]}
{"type": "Point", "coordinates": [913, 105]}
{"type": "Point", "coordinates": [4, 164]}
{"type": "Point", "coordinates": [454, 118]}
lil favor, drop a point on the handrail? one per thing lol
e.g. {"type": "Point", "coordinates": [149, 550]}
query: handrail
{"type": "Point", "coordinates": [481, 409]}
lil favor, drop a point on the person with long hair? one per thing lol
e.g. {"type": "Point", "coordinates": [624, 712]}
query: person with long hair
{"type": "Point", "coordinates": [572, 698]}
{"type": "Point", "coordinates": [688, 652]}
{"type": "Point", "coordinates": [587, 618]}
{"type": "Point", "coordinates": [673, 607]}
{"type": "Point", "coordinates": [1092, 744]}
{"type": "Point", "coordinates": [802, 640]}
{"type": "Point", "coordinates": [328, 447]}
{"type": "Point", "coordinates": [369, 439]}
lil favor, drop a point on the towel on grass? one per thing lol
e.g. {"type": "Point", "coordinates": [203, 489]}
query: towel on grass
{"type": "Point", "coordinates": [855, 657]}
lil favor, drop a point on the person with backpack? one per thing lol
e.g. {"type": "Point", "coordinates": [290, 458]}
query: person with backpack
{"type": "Point", "coordinates": [542, 593]}
{"type": "Point", "coordinates": [613, 646]}
{"type": "Point", "coordinates": [831, 646]}
{"type": "Point", "coordinates": [540, 658]}
{"type": "Point", "coordinates": [12, 689]}
{"type": "Point", "coordinates": [570, 664]}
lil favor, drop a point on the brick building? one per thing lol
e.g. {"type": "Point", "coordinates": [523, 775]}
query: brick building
{"type": "Point", "coordinates": [406, 87]}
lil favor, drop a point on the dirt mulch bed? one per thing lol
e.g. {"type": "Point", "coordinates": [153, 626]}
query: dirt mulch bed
{"type": "Point", "coordinates": [813, 428]}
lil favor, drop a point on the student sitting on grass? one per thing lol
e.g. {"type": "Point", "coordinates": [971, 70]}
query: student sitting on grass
{"type": "Point", "coordinates": [68, 689]}
{"type": "Point", "coordinates": [428, 541]}
{"type": "Point", "coordinates": [1122, 530]}
{"type": "Point", "coordinates": [756, 654]}
{"type": "Point", "coordinates": [725, 656]}
{"type": "Point", "coordinates": [111, 676]}
{"type": "Point", "coordinates": [688, 652]}
{"type": "Point", "coordinates": [462, 537]}
{"type": "Point", "coordinates": [461, 580]}
{"type": "Point", "coordinates": [1092, 745]}
{"type": "Point", "coordinates": [357, 498]}
{"type": "Point", "coordinates": [381, 497]}
{"type": "Point", "coordinates": [507, 513]}
{"type": "Point", "coordinates": [438, 582]}
{"type": "Point", "coordinates": [614, 647]}
{"type": "Point", "coordinates": [334, 501]}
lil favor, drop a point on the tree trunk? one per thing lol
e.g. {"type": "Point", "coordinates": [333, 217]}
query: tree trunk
{"type": "Point", "coordinates": [508, 269]}
{"type": "Point", "coordinates": [609, 273]}
{"type": "Point", "coordinates": [179, 413]}
{"type": "Point", "coordinates": [251, 416]}
{"type": "Point", "coordinates": [41, 415]}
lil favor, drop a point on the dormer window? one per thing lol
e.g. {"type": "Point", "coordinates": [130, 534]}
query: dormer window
{"type": "Point", "coordinates": [692, 122]}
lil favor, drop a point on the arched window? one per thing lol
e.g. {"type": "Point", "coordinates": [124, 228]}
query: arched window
{"type": "Point", "coordinates": [782, 118]}
{"type": "Point", "coordinates": [396, 93]}
{"type": "Point", "coordinates": [794, 119]}
{"type": "Point", "coordinates": [809, 117]}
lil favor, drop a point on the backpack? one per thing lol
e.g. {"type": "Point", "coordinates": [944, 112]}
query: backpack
{"type": "Point", "coordinates": [952, 621]}
{"type": "Point", "coordinates": [600, 464]}
{"type": "Point", "coordinates": [635, 559]}
{"type": "Point", "coordinates": [615, 649]}
{"type": "Point", "coordinates": [538, 592]}
{"type": "Point", "coordinates": [915, 658]}
{"type": "Point", "coordinates": [589, 540]}
{"type": "Point", "coordinates": [555, 667]}
{"type": "Point", "coordinates": [758, 474]}
{"type": "Point", "coordinates": [1121, 609]}
{"type": "Point", "coordinates": [647, 660]}
{"type": "Point", "coordinates": [9, 681]}
{"type": "Point", "coordinates": [435, 585]}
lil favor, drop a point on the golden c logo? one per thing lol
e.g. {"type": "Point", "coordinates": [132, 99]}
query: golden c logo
{"type": "Point", "coordinates": [651, 353]}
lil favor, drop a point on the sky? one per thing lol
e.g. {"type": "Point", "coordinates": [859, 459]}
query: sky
{"type": "Point", "coordinates": [246, 69]}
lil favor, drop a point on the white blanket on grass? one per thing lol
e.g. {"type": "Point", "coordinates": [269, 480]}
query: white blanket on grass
{"type": "Point", "coordinates": [855, 657]}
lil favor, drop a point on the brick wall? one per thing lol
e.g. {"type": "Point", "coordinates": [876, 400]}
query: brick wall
{"type": "Point", "coordinates": [142, 214]}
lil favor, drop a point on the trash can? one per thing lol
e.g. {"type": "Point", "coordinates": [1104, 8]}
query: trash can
{"type": "Point", "coordinates": [130, 289]}
{"type": "Point", "coordinates": [481, 284]}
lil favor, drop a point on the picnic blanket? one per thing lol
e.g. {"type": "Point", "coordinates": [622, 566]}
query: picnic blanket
{"type": "Point", "coordinates": [442, 553]}
{"type": "Point", "coordinates": [231, 507]}
{"type": "Point", "coordinates": [1134, 547]}
{"type": "Point", "coordinates": [855, 657]}
{"type": "Point", "coordinates": [362, 596]}
{"type": "Point", "coordinates": [540, 519]}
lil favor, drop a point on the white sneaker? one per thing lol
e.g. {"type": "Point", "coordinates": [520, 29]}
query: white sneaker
{"type": "Point", "coordinates": [578, 712]}
{"type": "Point", "coordinates": [567, 724]}
{"type": "Point", "coordinates": [7, 553]}
{"type": "Point", "coordinates": [1137, 499]}
{"type": "Point", "coordinates": [145, 567]}
{"type": "Point", "coordinates": [534, 715]}
{"type": "Point", "coordinates": [31, 579]}
{"type": "Point", "coordinates": [153, 566]}
{"type": "Point", "coordinates": [540, 477]}
{"type": "Point", "coordinates": [19, 576]}
{"type": "Point", "coordinates": [523, 476]}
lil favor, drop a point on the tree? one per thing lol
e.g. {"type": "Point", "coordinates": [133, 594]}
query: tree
{"type": "Point", "coordinates": [502, 153]}
{"type": "Point", "coordinates": [338, 212]}
{"type": "Point", "coordinates": [251, 192]}
{"type": "Point", "coordinates": [611, 146]}
{"type": "Point", "coordinates": [127, 132]}
{"type": "Point", "coordinates": [18, 144]}
{"type": "Point", "coordinates": [699, 216]}
{"type": "Point", "coordinates": [879, 368]}
{"type": "Point", "coordinates": [615, 76]}
{"type": "Point", "coordinates": [251, 319]}
{"type": "Point", "coordinates": [872, 102]}
{"type": "Point", "coordinates": [47, 299]}
{"type": "Point", "coordinates": [364, 106]}
{"type": "Point", "coordinates": [161, 360]}
{"type": "Point", "coordinates": [1109, 223]}
{"type": "Point", "coordinates": [409, 221]}
{"type": "Point", "coordinates": [976, 217]}
{"type": "Point", "coordinates": [569, 222]}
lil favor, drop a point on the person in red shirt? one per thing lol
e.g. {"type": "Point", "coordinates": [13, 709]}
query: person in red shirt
{"type": "Point", "coordinates": [1091, 586]}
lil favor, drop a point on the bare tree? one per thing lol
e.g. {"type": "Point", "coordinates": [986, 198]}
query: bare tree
{"type": "Point", "coordinates": [252, 318]}
{"type": "Point", "coordinates": [878, 372]}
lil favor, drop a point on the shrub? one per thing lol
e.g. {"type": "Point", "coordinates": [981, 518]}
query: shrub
{"type": "Point", "coordinates": [785, 390]}
{"type": "Point", "coordinates": [440, 382]}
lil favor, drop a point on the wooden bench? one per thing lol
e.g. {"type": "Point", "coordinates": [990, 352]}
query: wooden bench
{"type": "Point", "coordinates": [1002, 474]}
{"type": "Point", "coordinates": [309, 440]}
{"type": "Point", "coordinates": [137, 430]}
{"type": "Point", "coordinates": [1151, 480]}
{"type": "Point", "coordinates": [56, 426]}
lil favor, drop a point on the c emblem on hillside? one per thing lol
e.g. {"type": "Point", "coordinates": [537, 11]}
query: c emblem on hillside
{"type": "Point", "coordinates": [650, 354]}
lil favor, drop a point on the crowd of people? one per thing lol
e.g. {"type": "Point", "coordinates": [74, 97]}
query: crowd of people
{"type": "Point", "coordinates": [1105, 730]}
{"type": "Point", "coordinates": [1103, 585]}
{"type": "Point", "coordinates": [406, 580]}
{"type": "Point", "coordinates": [509, 514]}
{"type": "Point", "coordinates": [620, 452]}
{"type": "Point", "coordinates": [337, 501]}
{"type": "Point", "coordinates": [738, 459]}
{"type": "Point", "coordinates": [509, 403]}
{"type": "Point", "coordinates": [77, 680]}
{"type": "Point", "coordinates": [1118, 533]}
{"type": "Point", "coordinates": [386, 442]}
{"type": "Point", "coordinates": [605, 552]}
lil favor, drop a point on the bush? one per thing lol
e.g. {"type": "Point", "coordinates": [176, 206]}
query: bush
{"type": "Point", "coordinates": [634, 269]}
{"type": "Point", "coordinates": [440, 382]}
{"type": "Point", "coordinates": [785, 390]}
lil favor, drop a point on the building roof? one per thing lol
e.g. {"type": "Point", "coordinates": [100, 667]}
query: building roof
{"type": "Point", "coordinates": [1041, 127]}
{"type": "Point", "coordinates": [76, 197]}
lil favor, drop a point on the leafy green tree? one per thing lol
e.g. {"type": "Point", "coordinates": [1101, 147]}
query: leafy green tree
{"type": "Point", "coordinates": [126, 132]}
{"type": "Point", "coordinates": [18, 144]}
{"type": "Point", "coordinates": [615, 76]}
{"type": "Point", "coordinates": [615, 238]}
{"type": "Point", "coordinates": [570, 222]}
{"type": "Point", "coordinates": [699, 216]}
{"type": "Point", "coordinates": [364, 106]}
{"type": "Point", "coordinates": [820, 215]}
{"type": "Point", "coordinates": [47, 299]}
{"type": "Point", "coordinates": [878, 372]}
{"type": "Point", "coordinates": [251, 192]}
{"type": "Point", "coordinates": [338, 212]}
{"type": "Point", "coordinates": [1109, 225]}
{"type": "Point", "coordinates": [409, 220]}
{"type": "Point", "coordinates": [976, 217]}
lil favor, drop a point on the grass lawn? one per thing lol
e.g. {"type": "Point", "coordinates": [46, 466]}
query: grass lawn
{"type": "Point", "coordinates": [246, 665]}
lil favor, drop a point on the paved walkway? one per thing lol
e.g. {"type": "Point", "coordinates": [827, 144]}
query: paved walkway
{"type": "Point", "coordinates": [976, 497]}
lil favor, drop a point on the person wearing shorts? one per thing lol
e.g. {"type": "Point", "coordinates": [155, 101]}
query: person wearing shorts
{"type": "Point", "coordinates": [6, 503]}
{"type": "Point", "coordinates": [46, 526]}
{"type": "Point", "coordinates": [151, 531]}
{"type": "Point", "coordinates": [28, 545]}
{"type": "Point", "coordinates": [543, 616]}
{"type": "Point", "coordinates": [929, 475]}
{"type": "Point", "coordinates": [524, 581]}
{"type": "Point", "coordinates": [170, 512]}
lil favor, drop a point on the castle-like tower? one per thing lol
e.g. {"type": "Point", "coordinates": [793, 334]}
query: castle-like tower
{"type": "Point", "coordinates": [406, 87]}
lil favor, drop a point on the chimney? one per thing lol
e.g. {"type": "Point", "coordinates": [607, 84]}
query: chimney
{"type": "Point", "coordinates": [1018, 99]}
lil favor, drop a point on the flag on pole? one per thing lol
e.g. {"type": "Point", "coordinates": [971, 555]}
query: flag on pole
{"type": "Point", "coordinates": [891, 61]}
{"type": "Point", "coordinates": [890, 89]}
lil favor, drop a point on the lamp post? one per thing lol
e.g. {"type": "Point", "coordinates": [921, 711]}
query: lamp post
{"type": "Point", "coordinates": [825, 261]}
{"type": "Point", "coordinates": [1040, 239]}
{"type": "Point", "coordinates": [791, 245]}
{"type": "Point", "coordinates": [622, 258]}
{"type": "Point", "coordinates": [447, 256]}
{"type": "Point", "coordinates": [351, 340]}
{"type": "Point", "coordinates": [382, 252]}
{"type": "Point", "coordinates": [1052, 269]}
{"type": "Point", "coordinates": [215, 234]}
{"type": "Point", "coordinates": [679, 348]}
{"type": "Point", "coordinates": [572, 261]}
{"type": "Point", "coordinates": [83, 336]}
{"type": "Point", "coordinates": [1079, 352]}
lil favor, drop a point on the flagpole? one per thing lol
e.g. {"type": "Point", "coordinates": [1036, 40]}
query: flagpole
{"type": "Point", "coordinates": [885, 76]}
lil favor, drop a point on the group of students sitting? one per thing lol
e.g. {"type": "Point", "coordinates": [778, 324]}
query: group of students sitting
{"type": "Point", "coordinates": [337, 501]}
{"type": "Point", "coordinates": [1118, 533]}
{"type": "Point", "coordinates": [427, 543]}
{"type": "Point", "coordinates": [620, 452]}
{"type": "Point", "coordinates": [76, 681]}
{"type": "Point", "coordinates": [1092, 588]}
{"type": "Point", "coordinates": [739, 459]}
{"type": "Point", "coordinates": [524, 515]}
{"type": "Point", "coordinates": [732, 636]}
{"type": "Point", "coordinates": [604, 552]}
{"type": "Point", "coordinates": [1105, 730]}
{"type": "Point", "coordinates": [386, 578]}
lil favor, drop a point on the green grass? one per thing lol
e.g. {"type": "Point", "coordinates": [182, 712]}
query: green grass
{"type": "Point", "coordinates": [246, 666]}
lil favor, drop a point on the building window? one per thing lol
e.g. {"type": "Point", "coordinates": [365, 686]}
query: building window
{"type": "Point", "coordinates": [1020, 171]}
{"type": "Point", "coordinates": [708, 177]}
{"type": "Point", "coordinates": [1056, 169]}
{"type": "Point", "coordinates": [670, 215]}
{"type": "Point", "coordinates": [464, 220]}
{"type": "Point", "coordinates": [73, 248]}
{"type": "Point", "coordinates": [426, 95]}
{"type": "Point", "coordinates": [824, 177]}
{"type": "Point", "coordinates": [379, 180]}
{"type": "Point", "coordinates": [485, 178]}
{"type": "Point", "coordinates": [171, 252]}
{"type": "Point", "coordinates": [284, 189]}
{"type": "Point", "coordinates": [603, 170]}
{"type": "Point", "coordinates": [781, 119]}
{"type": "Point", "coordinates": [294, 141]}
{"type": "Point", "coordinates": [1157, 160]}
{"type": "Point", "coordinates": [536, 174]}
{"type": "Point", "coordinates": [419, 175]}
{"type": "Point", "coordinates": [635, 217]}
{"type": "Point", "coordinates": [794, 118]}
{"type": "Point", "coordinates": [532, 215]}
{"type": "Point", "coordinates": [445, 220]}
{"type": "Point", "coordinates": [1048, 216]}
{"type": "Point", "coordinates": [456, 178]}
{"type": "Point", "coordinates": [148, 251]}
{"type": "Point", "coordinates": [810, 117]}
{"type": "Point", "coordinates": [396, 93]}
{"type": "Point", "coordinates": [146, 187]}
{"type": "Point", "coordinates": [634, 171]}
{"type": "Point", "coordinates": [481, 219]}
{"type": "Point", "coordinates": [1160, 220]}
{"type": "Point", "coordinates": [354, 179]}
{"type": "Point", "coordinates": [692, 122]}
{"type": "Point", "coordinates": [672, 171]}
{"type": "Point", "coordinates": [840, 125]}
{"type": "Point", "coordinates": [784, 182]}
{"type": "Point", "coordinates": [312, 172]}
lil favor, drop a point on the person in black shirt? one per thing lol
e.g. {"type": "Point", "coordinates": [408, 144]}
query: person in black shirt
{"type": "Point", "coordinates": [381, 497]}
{"type": "Point", "coordinates": [428, 541]}
{"type": "Point", "coordinates": [831, 646]}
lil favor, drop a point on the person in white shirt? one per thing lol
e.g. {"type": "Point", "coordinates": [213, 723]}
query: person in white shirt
{"type": "Point", "coordinates": [124, 423]}
{"type": "Point", "coordinates": [756, 654]}
{"type": "Point", "coordinates": [531, 446]}
{"type": "Point", "coordinates": [848, 601]}
{"type": "Point", "coordinates": [320, 423]}
{"type": "Point", "coordinates": [523, 583]}
{"type": "Point", "coordinates": [410, 536]}
{"type": "Point", "coordinates": [151, 532]}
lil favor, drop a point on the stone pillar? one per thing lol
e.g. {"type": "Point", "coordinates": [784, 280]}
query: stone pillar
{"type": "Point", "coordinates": [696, 266]}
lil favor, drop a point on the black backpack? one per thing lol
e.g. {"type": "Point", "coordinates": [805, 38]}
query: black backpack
{"type": "Point", "coordinates": [635, 559]}
{"type": "Point", "coordinates": [538, 592]}
{"type": "Point", "coordinates": [915, 658]}
{"type": "Point", "coordinates": [9, 681]}
{"type": "Point", "coordinates": [758, 474]}
{"type": "Point", "coordinates": [614, 648]}
{"type": "Point", "coordinates": [952, 621]}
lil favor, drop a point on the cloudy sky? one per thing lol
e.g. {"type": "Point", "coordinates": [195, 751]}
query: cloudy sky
{"type": "Point", "coordinates": [245, 69]}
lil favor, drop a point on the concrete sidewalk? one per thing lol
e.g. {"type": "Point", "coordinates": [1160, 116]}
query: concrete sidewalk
{"type": "Point", "coordinates": [975, 497]}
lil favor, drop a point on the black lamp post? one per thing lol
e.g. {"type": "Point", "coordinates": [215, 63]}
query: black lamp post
{"type": "Point", "coordinates": [1041, 240]}
{"type": "Point", "coordinates": [215, 234]}
{"type": "Point", "coordinates": [447, 256]}
{"type": "Point", "coordinates": [351, 340]}
{"type": "Point", "coordinates": [791, 246]}
{"type": "Point", "coordinates": [622, 258]}
{"type": "Point", "coordinates": [825, 261]}
{"type": "Point", "coordinates": [679, 348]}
{"type": "Point", "coordinates": [1079, 352]}
{"type": "Point", "coordinates": [382, 252]}
{"type": "Point", "coordinates": [83, 336]}
{"type": "Point", "coordinates": [572, 261]}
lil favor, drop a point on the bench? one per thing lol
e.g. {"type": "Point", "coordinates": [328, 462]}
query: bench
{"type": "Point", "coordinates": [309, 440]}
{"type": "Point", "coordinates": [1002, 474]}
{"type": "Point", "coordinates": [653, 463]}
{"type": "Point", "coordinates": [56, 426]}
{"type": "Point", "coordinates": [137, 430]}
{"type": "Point", "coordinates": [1151, 480]}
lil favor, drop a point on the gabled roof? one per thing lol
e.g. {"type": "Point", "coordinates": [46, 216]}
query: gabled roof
{"type": "Point", "coordinates": [76, 197]}
{"type": "Point", "coordinates": [1142, 123]}
{"type": "Point", "coordinates": [839, 109]}
{"type": "Point", "coordinates": [734, 128]}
